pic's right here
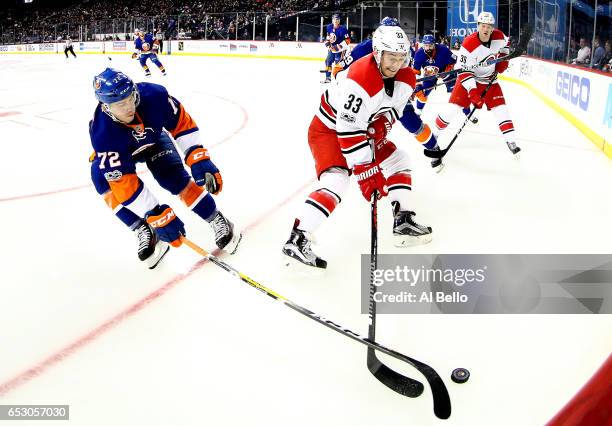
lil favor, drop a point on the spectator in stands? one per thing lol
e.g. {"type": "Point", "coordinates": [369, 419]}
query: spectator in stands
{"type": "Point", "coordinates": [607, 62]}
{"type": "Point", "coordinates": [599, 54]}
{"type": "Point", "coordinates": [584, 54]}
{"type": "Point", "coordinates": [457, 45]}
{"type": "Point", "coordinates": [290, 36]}
{"type": "Point", "coordinates": [573, 51]}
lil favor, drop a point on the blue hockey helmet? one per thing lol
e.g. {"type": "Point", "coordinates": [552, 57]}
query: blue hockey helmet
{"type": "Point", "coordinates": [428, 39]}
{"type": "Point", "coordinates": [387, 21]}
{"type": "Point", "coordinates": [112, 86]}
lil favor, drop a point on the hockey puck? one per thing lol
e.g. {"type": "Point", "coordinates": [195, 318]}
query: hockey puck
{"type": "Point", "coordinates": [460, 375]}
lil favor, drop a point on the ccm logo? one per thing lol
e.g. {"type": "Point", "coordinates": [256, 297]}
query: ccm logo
{"type": "Point", "coordinates": [574, 89]}
{"type": "Point", "coordinates": [163, 220]}
{"type": "Point", "coordinates": [199, 155]}
{"type": "Point", "coordinates": [367, 173]}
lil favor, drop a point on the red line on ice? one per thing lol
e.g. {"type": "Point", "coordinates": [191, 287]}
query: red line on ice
{"type": "Point", "coordinates": [66, 351]}
{"type": "Point", "coordinates": [245, 120]}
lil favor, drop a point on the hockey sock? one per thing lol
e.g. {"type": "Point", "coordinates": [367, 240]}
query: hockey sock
{"type": "Point", "coordinates": [126, 216]}
{"type": "Point", "coordinates": [198, 200]}
{"type": "Point", "coordinates": [445, 117]}
{"type": "Point", "coordinates": [400, 185]}
{"type": "Point", "coordinates": [317, 207]}
{"type": "Point", "coordinates": [426, 137]}
{"type": "Point", "coordinates": [506, 126]}
{"type": "Point", "coordinates": [322, 202]}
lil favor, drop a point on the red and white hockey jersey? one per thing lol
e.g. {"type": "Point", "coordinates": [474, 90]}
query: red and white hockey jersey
{"type": "Point", "coordinates": [358, 97]}
{"type": "Point", "coordinates": [472, 52]}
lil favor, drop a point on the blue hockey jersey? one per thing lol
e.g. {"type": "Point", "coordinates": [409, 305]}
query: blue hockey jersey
{"type": "Point", "coordinates": [146, 45]}
{"type": "Point", "coordinates": [117, 146]}
{"type": "Point", "coordinates": [341, 35]}
{"type": "Point", "coordinates": [440, 60]}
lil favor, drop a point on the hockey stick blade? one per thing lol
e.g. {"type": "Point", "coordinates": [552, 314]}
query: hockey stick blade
{"type": "Point", "coordinates": [442, 406]}
{"type": "Point", "coordinates": [393, 380]}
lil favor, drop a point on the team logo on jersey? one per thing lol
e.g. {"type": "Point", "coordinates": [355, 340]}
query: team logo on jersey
{"type": "Point", "coordinates": [141, 133]}
{"type": "Point", "coordinates": [113, 176]}
{"type": "Point", "coordinates": [489, 59]}
{"type": "Point", "coordinates": [347, 117]}
{"type": "Point", "coordinates": [431, 70]}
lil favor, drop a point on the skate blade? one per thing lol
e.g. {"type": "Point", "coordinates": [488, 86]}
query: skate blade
{"type": "Point", "coordinates": [410, 240]}
{"type": "Point", "coordinates": [161, 249]}
{"type": "Point", "coordinates": [298, 269]}
{"type": "Point", "coordinates": [517, 156]}
{"type": "Point", "coordinates": [232, 246]}
{"type": "Point", "coordinates": [439, 168]}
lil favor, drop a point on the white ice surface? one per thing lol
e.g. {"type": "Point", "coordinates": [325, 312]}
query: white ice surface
{"type": "Point", "coordinates": [127, 346]}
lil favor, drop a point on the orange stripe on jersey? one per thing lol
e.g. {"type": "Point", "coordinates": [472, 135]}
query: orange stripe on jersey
{"type": "Point", "coordinates": [110, 200]}
{"type": "Point", "coordinates": [125, 187]}
{"type": "Point", "coordinates": [185, 122]}
{"type": "Point", "coordinates": [190, 193]}
{"type": "Point", "coordinates": [136, 124]}
{"type": "Point", "coordinates": [92, 157]}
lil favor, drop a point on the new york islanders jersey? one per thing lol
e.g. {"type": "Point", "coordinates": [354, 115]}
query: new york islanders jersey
{"type": "Point", "coordinates": [442, 59]}
{"type": "Point", "coordinates": [359, 96]}
{"type": "Point", "coordinates": [118, 147]}
{"type": "Point", "coordinates": [362, 49]}
{"type": "Point", "coordinates": [473, 51]}
{"type": "Point", "coordinates": [146, 45]}
{"type": "Point", "coordinates": [340, 39]}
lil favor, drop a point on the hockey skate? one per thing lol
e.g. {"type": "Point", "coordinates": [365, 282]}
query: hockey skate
{"type": "Point", "coordinates": [514, 149]}
{"type": "Point", "coordinates": [225, 237]}
{"type": "Point", "coordinates": [406, 232]}
{"type": "Point", "coordinates": [436, 164]}
{"type": "Point", "coordinates": [297, 248]}
{"type": "Point", "coordinates": [150, 248]}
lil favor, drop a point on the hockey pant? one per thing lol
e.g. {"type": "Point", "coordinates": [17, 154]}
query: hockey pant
{"type": "Point", "coordinates": [494, 100]}
{"type": "Point", "coordinates": [153, 57]}
{"type": "Point", "coordinates": [333, 173]}
{"type": "Point", "coordinates": [166, 166]}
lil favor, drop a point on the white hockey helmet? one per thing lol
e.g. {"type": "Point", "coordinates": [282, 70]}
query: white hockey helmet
{"type": "Point", "coordinates": [486, 18]}
{"type": "Point", "coordinates": [390, 39]}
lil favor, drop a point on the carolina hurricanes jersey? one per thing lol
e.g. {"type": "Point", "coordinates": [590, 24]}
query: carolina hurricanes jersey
{"type": "Point", "coordinates": [118, 146]}
{"type": "Point", "coordinates": [358, 97]}
{"type": "Point", "coordinates": [473, 51]}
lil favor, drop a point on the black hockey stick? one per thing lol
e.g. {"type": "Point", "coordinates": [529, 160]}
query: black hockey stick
{"type": "Point", "coordinates": [441, 398]}
{"type": "Point", "coordinates": [390, 378]}
{"type": "Point", "coordinates": [442, 152]}
{"type": "Point", "coordinates": [521, 48]}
